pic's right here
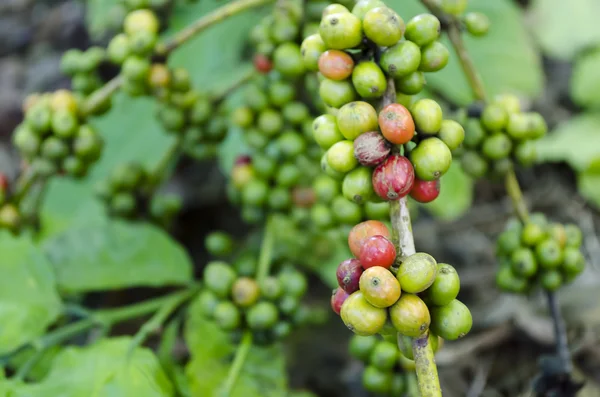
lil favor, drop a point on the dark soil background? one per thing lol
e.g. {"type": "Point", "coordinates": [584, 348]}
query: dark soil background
{"type": "Point", "coordinates": [497, 359]}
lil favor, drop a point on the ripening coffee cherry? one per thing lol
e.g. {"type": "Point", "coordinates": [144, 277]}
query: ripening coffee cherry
{"type": "Point", "coordinates": [523, 262]}
{"type": "Point", "coordinates": [452, 321]}
{"type": "Point", "coordinates": [379, 286]}
{"type": "Point", "coordinates": [549, 254]}
{"type": "Point", "coordinates": [434, 57]}
{"type": "Point", "coordinates": [140, 20]}
{"type": "Point", "coordinates": [427, 115]}
{"type": "Point", "coordinates": [63, 100]}
{"type": "Point", "coordinates": [383, 26]}
{"type": "Point", "coordinates": [341, 31]}
{"type": "Point", "coordinates": [336, 65]}
{"type": "Point", "coordinates": [356, 118]}
{"type": "Point", "coordinates": [417, 272]}
{"type": "Point", "coordinates": [10, 218]}
{"type": "Point", "coordinates": [340, 156]}
{"type": "Point", "coordinates": [357, 185]}
{"type": "Point", "coordinates": [494, 118]}
{"type": "Point", "coordinates": [336, 93]}
{"type": "Point", "coordinates": [431, 159]}
{"type": "Point", "coordinates": [445, 287]}
{"type": "Point", "coordinates": [396, 123]}
{"type": "Point", "coordinates": [262, 316]}
{"type": "Point", "coordinates": [219, 278]}
{"type": "Point", "coordinates": [452, 134]}
{"type": "Point", "coordinates": [411, 84]}
{"type": "Point", "coordinates": [262, 63]}
{"type": "Point", "coordinates": [348, 275]}
{"type": "Point", "coordinates": [361, 7]}
{"type": "Point", "coordinates": [360, 233]}
{"type": "Point", "coordinates": [245, 292]}
{"type": "Point", "coordinates": [326, 131]}
{"type": "Point", "coordinates": [423, 29]}
{"type": "Point", "coordinates": [477, 24]}
{"type": "Point", "coordinates": [371, 149]}
{"type": "Point", "coordinates": [338, 297]}
{"type": "Point", "coordinates": [377, 251]}
{"type": "Point", "coordinates": [394, 178]}
{"type": "Point", "coordinates": [333, 9]}
{"type": "Point", "coordinates": [410, 315]}
{"type": "Point", "coordinates": [425, 191]}
{"type": "Point", "coordinates": [473, 164]}
{"type": "Point", "coordinates": [401, 59]}
{"type": "Point", "coordinates": [361, 317]}
{"type": "Point", "coordinates": [368, 80]}
{"type": "Point", "coordinates": [312, 49]}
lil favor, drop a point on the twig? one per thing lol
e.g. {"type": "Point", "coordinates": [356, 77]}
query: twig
{"type": "Point", "coordinates": [26, 180]}
{"type": "Point", "coordinates": [206, 21]}
{"type": "Point", "coordinates": [238, 363]}
{"type": "Point", "coordinates": [560, 333]}
{"type": "Point", "coordinates": [98, 97]}
{"type": "Point", "coordinates": [514, 191]}
{"type": "Point", "coordinates": [427, 374]}
{"type": "Point", "coordinates": [266, 251]}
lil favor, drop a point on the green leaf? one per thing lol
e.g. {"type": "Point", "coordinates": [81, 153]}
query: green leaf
{"type": "Point", "coordinates": [41, 367]}
{"type": "Point", "coordinates": [103, 369]}
{"type": "Point", "coordinates": [575, 141]}
{"type": "Point", "coordinates": [588, 184]}
{"type": "Point", "coordinates": [564, 28]}
{"type": "Point", "coordinates": [102, 15]}
{"type": "Point", "coordinates": [585, 83]}
{"type": "Point", "coordinates": [29, 302]}
{"type": "Point", "coordinates": [505, 57]}
{"type": "Point", "coordinates": [456, 195]}
{"type": "Point", "coordinates": [117, 255]}
{"type": "Point", "coordinates": [262, 375]}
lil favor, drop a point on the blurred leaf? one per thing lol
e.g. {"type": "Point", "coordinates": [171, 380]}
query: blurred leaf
{"type": "Point", "coordinates": [585, 83]}
{"type": "Point", "coordinates": [262, 375]}
{"type": "Point", "coordinates": [456, 195]}
{"type": "Point", "coordinates": [588, 184]}
{"type": "Point", "coordinates": [41, 367]}
{"type": "Point", "coordinates": [117, 255]}
{"type": "Point", "coordinates": [505, 57]}
{"type": "Point", "coordinates": [29, 302]}
{"type": "Point", "coordinates": [575, 141]}
{"type": "Point", "coordinates": [103, 369]}
{"type": "Point", "coordinates": [233, 146]}
{"type": "Point", "coordinates": [564, 28]}
{"type": "Point", "coordinates": [102, 15]}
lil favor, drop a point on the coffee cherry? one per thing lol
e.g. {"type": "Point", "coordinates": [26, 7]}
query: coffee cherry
{"type": "Point", "coordinates": [140, 20]}
{"type": "Point", "coordinates": [383, 26]}
{"type": "Point", "coordinates": [371, 149]}
{"type": "Point", "coordinates": [333, 9]}
{"type": "Point", "coordinates": [431, 159]}
{"type": "Point", "coordinates": [361, 347]}
{"type": "Point", "coordinates": [360, 233]}
{"type": "Point", "coordinates": [377, 251]}
{"type": "Point", "coordinates": [549, 254]}
{"type": "Point", "coordinates": [379, 286]}
{"type": "Point", "coordinates": [293, 282]}
{"type": "Point", "coordinates": [532, 234]}
{"type": "Point", "coordinates": [573, 262]}
{"type": "Point", "coordinates": [417, 272]}
{"type": "Point", "coordinates": [551, 280]}
{"type": "Point", "coordinates": [384, 355]}
{"type": "Point", "coordinates": [348, 275]}
{"type": "Point", "coordinates": [142, 43]}
{"type": "Point", "coordinates": [401, 59]}
{"type": "Point", "coordinates": [396, 123]}
{"type": "Point", "coordinates": [341, 158]}
{"type": "Point", "coordinates": [245, 292]}
{"type": "Point", "coordinates": [255, 192]}
{"type": "Point", "coordinates": [338, 297]}
{"type": "Point", "coordinates": [445, 287]}
{"type": "Point", "coordinates": [494, 118]}
{"type": "Point", "coordinates": [361, 7]}
{"type": "Point", "coordinates": [574, 235]}
{"type": "Point", "coordinates": [411, 84]}
{"type": "Point", "coordinates": [336, 65]}
{"type": "Point", "coordinates": [410, 315]}
{"type": "Point", "coordinates": [219, 278]}
{"type": "Point", "coordinates": [325, 131]}
{"type": "Point", "coordinates": [346, 211]}
{"type": "Point", "coordinates": [262, 316]}
{"type": "Point", "coordinates": [473, 164]}
{"type": "Point", "coordinates": [74, 167]}
{"type": "Point", "coordinates": [10, 218]}
{"type": "Point", "coordinates": [287, 59]}
{"type": "Point", "coordinates": [427, 115]}
{"type": "Point", "coordinates": [356, 118]}
{"type": "Point", "coordinates": [368, 80]}
{"type": "Point", "coordinates": [288, 175]}
{"type": "Point", "coordinates": [452, 321]}
{"type": "Point", "coordinates": [357, 185]}
{"type": "Point", "coordinates": [271, 288]}
{"type": "Point", "coordinates": [524, 263]}
{"type": "Point", "coordinates": [39, 117]}
{"type": "Point", "coordinates": [453, 7]}
{"type": "Point", "coordinates": [207, 301]}
{"type": "Point", "coordinates": [361, 317]}
{"type": "Point", "coordinates": [312, 49]}
{"type": "Point", "coordinates": [336, 93]}
{"type": "Point", "coordinates": [341, 31]}
{"type": "Point", "coordinates": [326, 188]}
{"type": "Point", "coordinates": [227, 316]}
{"type": "Point", "coordinates": [497, 146]}
{"type": "Point", "coordinates": [64, 124]}
{"type": "Point", "coordinates": [508, 242]}
{"type": "Point", "coordinates": [525, 153]}
{"type": "Point", "coordinates": [394, 178]}
{"type": "Point", "coordinates": [322, 216]}
{"type": "Point", "coordinates": [423, 29]}
{"type": "Point", "coordinates": [425, 191]}
{"type": "Point", "coordinates": [377, 381]}
{"type": "Point", "coordinates": [507, 280]}
{"type": "Point", "coordinates": [434, 57]}
{"type": "Point", "coordinates": [326, 168]}
{"type": "Point", "coordinates": [477, 24]}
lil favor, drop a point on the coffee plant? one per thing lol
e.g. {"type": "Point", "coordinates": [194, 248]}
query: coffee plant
{"type": "Point", "coordinates": [333, 126]}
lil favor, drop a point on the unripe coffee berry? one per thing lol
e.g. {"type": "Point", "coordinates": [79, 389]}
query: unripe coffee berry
{"type": "Point", "coordinates": [394, 178]}
{"type": "Point", "coordinates": [377, 251]}
{"type": "Point", "coordinates": [369, 80]}
{"type": "Point", "coordinates": [427, 115]}
{"type": "Point", "coordinates": [361, 317]}
{"type": "Point", "coordinates": [396, 123]}
{"type": "Point", "coordinates": [431, 159]}
{"type": "Point", "coordinates": [410, 315]}
{"type": "Point", "coordinates": [383, 26]}
{"type": "Point", "coordinates": [401, 59]}
{"type": "Point", "coordinates": [452, 321]}
{"type": "Point", "coordinates": [356, 118]}
{"type": "Point", "coordinates": [452, 134]}
{"type": "Point", "coordinates": [445, 287]}
{"type": "Point", "coordinates": [311, 49]}
{"type": "Point", "coordinates": [417, 272]}
{"type": "Point", "coordinates": [477, 24]}
{"type": "Point", "coordinates": [423, 29]}
{"type": "Point", "coordinates": [340, 31]}
{"type": "Point", "coordinates": [357, 185]}
{"type": "Point", "coordinates": [340, 157]}
{"type": "Point", "coordinates": [434, 57]}
{"type": "Point", "coordinates": [379, 287]}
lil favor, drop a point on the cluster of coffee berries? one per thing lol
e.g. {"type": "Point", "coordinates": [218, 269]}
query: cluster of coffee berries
{"type": "Point", "coordinates": [10, 216]}
{"type": "Point", "coordinates": [539, 252]}
{"type": "Point", "coordinates": [270, 307]}
{"type": "Point", "coordinates": [384, 365]}
{"type": "Point", "coordinates": [54, 136]}
{"type": "Point", "coordinates": [416, 296]}
{"type": "Point", "coordinates": [82, 67]}
{"type": "Point", "coordinates": [475, 23]}
{"type": "Point", "coordinates": [502, 135]}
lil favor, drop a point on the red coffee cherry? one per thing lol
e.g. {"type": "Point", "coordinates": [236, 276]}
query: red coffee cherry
{"type": "Point", "coordinates": [362, 232]}
{"type": "Point", "coordinates": [425, 191]}
{"type": "Point", "coordinates": [336, 65]}
{"type": "Point", "coordinates": [242, 159]}
{"type": "Point", "coordinates": [377, 251]}
{"type": "Point", "coordinates": [338, 297]}
{"type": "Point", "coordinates": [393, 179]}
{"type": "Point", "coordinates": [396, 123]}
{"type": "Point", "coordinates": [348, 275]}
{"type": "Point", "coordinates": [262, 63]}
{"type": "Point", "coordinates": [371, 148]}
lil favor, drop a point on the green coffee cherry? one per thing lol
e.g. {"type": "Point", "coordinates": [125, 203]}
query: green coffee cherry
{"type": "Point", "coordinates": [368, 80]}
{"type": "Point", "coordinates": [549, 254]}
{"type": "Point", "coordinates": [497, 146]}
{"type": "Point", "coordinates": [362, 346]}
{"type": "Point", "coordinates": [321, 216]}
{"type": "Point", "coordinates": [326, 131]}
{"type": "Point", "coordinates": [54, 148]}
{"type": "Point", "coordinates": [423, 29]}
{"type": "Point", "coordinates": [377, 381]}
{"type": "Point", "coordinates": [507, 280]}
{"type": "Point", "coordinates": [311, 49]}
{"type": "Point", "coordinates": [411, 84]}
{"type": "Point", "coordinates": [337, 93]}
{"type": "Point", "coordinates": [340, 156]}
{"type": "Point", "coordinates": [551, 280]}
{"type": "Point", "coordinates": [383, 26]}
{"type": "Point", "coordinates": [227, 315]}
{"type": "Point", "coordinates": [27, 141]}
{"type": "Point", "coordinates": [361, 7]}
{"type": "Point", "coordinates": [401, 59]}
{"type": "Point", "coordinates": [384, 355]}
{"type": "Point", "coordinates": [431, 159]}
{"type": "Point", "coordinates": [288, 175]}
{"type": "Point", "coordinates": [356, 118]}
{"type": "Point", "coordinates": [136, 68]}
{"type": "Point", "coordinates": [255, 193]}
{"type": "Point", "coordinates": [88, 143]}
{"type": "Point", "coordinates": [473, 164]}
{"type": "Point", "coordinates": [477, 24]}
{"type": "Point", "coordinates": [295, 112]}
{"type": "Point", "coordinates": [357, 185]}
{"type": "Point", "coordinates": [445, 287]}
{"type": "Point", "coordinates": [452, 321]}
{"type": "Point", "coordinates": [494, 118]}
{"type": "Point", "coordinates": [524, 263]}
{"type": "Point", "coordinates": [434, 57]}
{"type": "Point", "coordinates": [270, 122]}
{"type": "Point", "coordinates": [452, 134]}
{"type": "Point", "coordinates": [291, 144]}
{"type": "Point", "coordinates": [427, 114]}
{"type": "Point", "coordinates": [346, 211]}
{"type": "Point", "coordinates": [218, 243]}
{"type": "Point", "coordinates": [123, 204]}
{"type": "Point", "coordinates": [341, 31]}
{"type": "Point", "coordinates": [219, 278]}
{"type": "Point", "coordinates": [574, 235]}
{"type": "Point", "coordinates": [262, 316]}
{"type": "Point", "coordinates": [287, 60]}
{"type": "Point", "coordinates": [525, 153]}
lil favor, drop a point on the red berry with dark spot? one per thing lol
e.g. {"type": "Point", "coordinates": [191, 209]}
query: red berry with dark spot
{"type": "Point", "coordinates": [348, 275]}
{"type": "Point", "coordinates": [338, 297]}
{"type": "Point", "coordinates": [397, 124]}
{"type": "Point", "coordinates": [371, 148]}
{"type": "Point", "coordinates": [394, 178]}
{"type": "Point", "coordinates": [262, 63]}
{"type": "Point", "coordinates": [377, 251]}
{"type": "Point", "coordinates": [425, 191]}
{"type": "Point", "coordinates": [243, 159]}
